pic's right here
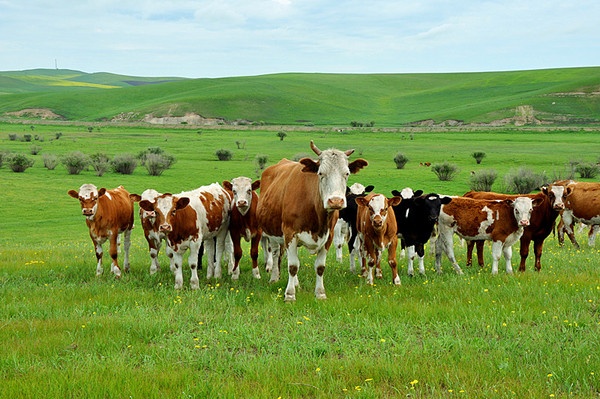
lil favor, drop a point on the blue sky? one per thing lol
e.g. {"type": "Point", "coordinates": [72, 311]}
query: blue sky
{"type": "Point", "coordinates": [253, 37]}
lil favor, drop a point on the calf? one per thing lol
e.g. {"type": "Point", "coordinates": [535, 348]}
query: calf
{"type": "Point", "coordinates": [243, 221]}
{"type": "Point", "coordinates": [499, 221]}
{"type": "Point", "coordinates": [540, 226]}
{"type": "Point", "coordinates": [190, 218]}
{"type": "Point", "coordinates": [345, 228]}
{"type": "Point", "coordinates": [108, 213]}
{"type": "Point", "coordinates": [376, 225]}
{"type": "Point", "coordinates": [416, 217]}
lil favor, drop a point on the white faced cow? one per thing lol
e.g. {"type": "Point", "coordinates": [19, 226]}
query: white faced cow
{"type": "Point", "coordinates": [108, 213]}
{"type": "Point", "coordinates": [499, 221]}
{"type": "Point", "coordinates": [298, 206]}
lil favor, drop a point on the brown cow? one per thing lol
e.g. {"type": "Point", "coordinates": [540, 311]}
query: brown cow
{"type": "Point", "coordinates": [499, 221]}
{"type": "Point", "coordinates": [243, 221]}
{"type": "Point", "coordinates": [377, 230]}
{"type": "Point", "coordinates": [189, 219]}
{"type": "Point", "coordinates": [540, 226]}
{"type": "Point", "coordinates": [298, 205]}
{"type": "Point", "coordinates": [108, 213]}
{"type": "Point", "coordinates": [580, 202]}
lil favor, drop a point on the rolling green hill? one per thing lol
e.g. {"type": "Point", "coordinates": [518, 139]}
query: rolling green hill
{"type": "Point", "coordinates": [564, 96]}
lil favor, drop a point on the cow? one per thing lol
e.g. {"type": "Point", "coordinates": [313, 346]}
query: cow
{"type": "Point", "coordinates": [416, 218]}
{"type": "Point", "coordinates": [298, 206]}
{"type": "Point", "coordinates": [580, 202]}
{"type": "Point", "coordinates": [108, 213]}
{"type": "Point", "coordinates": [540, 226]}
{"type": "Point", "coordinates": [377, 230]}
{"type": "Point", "coordinates": [499, 221]}
{"type": "Point", "coordinates": [345, 228]}
{"type": "Point", "coordinates": [243, 221]}
{"type": "Point", "coordinates": [190, 218]}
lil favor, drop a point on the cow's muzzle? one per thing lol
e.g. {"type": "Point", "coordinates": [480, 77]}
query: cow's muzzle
{"type": "Point", "coordinates": [87, 212]}
{"type": "Point", "coordinates": [336, 203]}
{"type": "Point", "coordinates": [524, 222]}
{"type": "Point", "coordinates": [166, 227]}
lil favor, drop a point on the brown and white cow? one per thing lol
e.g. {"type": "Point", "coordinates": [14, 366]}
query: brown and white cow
{"type": "Point", "coordinates": [243, 221]}
{"type": "Point", "coordinates": [377, 231]}
{"type": "Point", "coordinates": [580, 202]}
{"type": "Point", "coordinates": [154, 236]}
{"type": "Point", "coordinates": [108, 213]}
{"type": "Point", "coordinates": [540, 226]}
{"type": "Point", "coordinates": [500, 221]}
{"type": "Point", "coordinates": [298, 206]}
{"type": "Point", "coordinates": [189, 219]}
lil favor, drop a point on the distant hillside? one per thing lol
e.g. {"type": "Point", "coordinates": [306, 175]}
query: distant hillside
{"type": "Point", "coordinates": [558, 96]}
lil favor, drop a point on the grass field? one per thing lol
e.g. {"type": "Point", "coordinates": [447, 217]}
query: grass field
{"type": "Point", "coordinates": [67, 333]}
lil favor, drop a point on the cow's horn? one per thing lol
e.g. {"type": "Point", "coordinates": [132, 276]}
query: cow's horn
{"type": "Point", "coordinates": [315, 148]}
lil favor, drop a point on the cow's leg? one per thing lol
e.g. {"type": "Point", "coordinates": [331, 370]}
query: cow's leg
{"type": "Point", "coordinates": [538, 246]}
{"type": "Point", "coordinates": [371, 259]}
{"type": "Point", "coordinates": [176, 266]}
{"type": "Point", "coordinates": [354, 249]}
{"type": "Point", "coordinates": [229, 248]}
{"type": "Point", "coordinates": [392, 261]}
{"type": "Point", "coordinates": [237, 255]}
{"type": "Point", "coordinates": [154, 247]}
{"type": "Point", "coordinates": [209, 248]}
{"type": "Point", "coordinates": [567, 220]}
{"type": "Point", "coordinates": [353, 257]}
{"type": "Point", "coordinates": [293, 265]}
{"type": "Point", "coordinates": [445, 243]}
{"type": "Point", "coordinates": [508, 257]}
{"type": "Point", "coordinates": [496, 253]}
{"type": "Point", "coordinates": [339, 240]}
{"type": "Point", "coordinates": [169, 251]}
{"type": "Point", "coordinates": [126, 247]}
{"type": "Point", "coordinates": [193, 262]}
{"type": "Point", "coordinates": [320, 271]}
{"type": "Point", "coordinates": [254, 243]}
{"type": "Point", "coordinates": [470, 246]}
{"type": "Point", "coordinates": [420, 248]}
{"type": "Point", "coordinates": [99, 252]}
{"type": "Point", "coordinates": [220, 246]}
{"type": "Point", "coordinates": [524, 252]}
{"type": "Point", "coordinates": [411, 257]}
{"type": "Point", "coordinates": [113, 251]}
{"type": "Point", "coordinates": [594, 229]}
{"type": "Point", "coordinates": [479, 246]}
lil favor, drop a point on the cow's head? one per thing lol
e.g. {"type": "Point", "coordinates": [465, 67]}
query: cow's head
{"type": "Point", "coordinates": [407, 193]}
{"type": "Point", "coordinates": [242, 188]}
{"type": "Point", "coordinates": [148, 195]}
{"type": "Point", "coordinates": [88, 196]}
{"type": "Point", "coordinates": [333, 171]}
{"type": "Point", "coordinates": [430, 205]}
{"type": "Point", "coordinates": [557, 193]}
{"type": "Point", "coordinates": [522, 208]}
{"type": "Point", "coordinates": [165, 208]}
{"type": "Point", "coordinates": [378, 206]}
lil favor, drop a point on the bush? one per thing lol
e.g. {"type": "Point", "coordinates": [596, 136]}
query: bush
{"type": "Point", "coordinates": [478, 155]}
{"type": "Point", "coordinates": [75, 162]}
{"type": "Point", "coordinates": [50, 161]}
{"type": "Point", "coordinates": [27, 137]}
{"type": "Point", "coordinates": [223, 154]}
{"type": "Point", "coordinates": [524, 181]}
{"type": "Point", "coordinates": [261, 160]}
{"type": "Point", "coordinates": [19, 162]}
{"type": "Point", "coordinates": [400, 159]}
{"type": "Point", "coordinates": [445, 171]}
{"type": "Point", "coordinates": [58, 135]}
{"type": "Point", "coordinates": [100, 162]}
{"type": "Point", "coordinates": [482, 180]}
{"type": "Point", "coordinates": [35, 149]}
{"type": "Point", "coordinates": [587, 170]}
{"type": "Point", "coordinates": [13, 136]}
{"type": "Point", "coordinates": [156, 164]}
{"type": "Point", "coordinates": [124, 164]}
{"type": "Point", "coordinates": [281, 134]}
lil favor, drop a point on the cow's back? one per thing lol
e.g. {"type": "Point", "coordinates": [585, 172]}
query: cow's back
{"type": "Point", "coordinates": [115, 209]}
{"type": "Point", "coordinates": [584, 200]}
{"type": "Point", "coordinates": [468, 215]}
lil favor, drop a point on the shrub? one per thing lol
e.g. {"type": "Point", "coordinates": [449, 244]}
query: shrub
{"type": "Point", "coordinates": [587, 170]}
{"type": "Point", "coordinates": [524, 181]}
{"type": "Point", "coordinates": [156, 164]}
{"type": "Point", "coordinates": [19, 162]}
{"type": "Point", "coordinates": [58, 135]}
{"type": "Point", "coordinates": [100, 162]}
{"type": "Point", "coordinates": [261, 160]}
{"type": "Point", "coordinates": [35, 149]}
{"type": "Point", "coordinates": [13, 136]}
{"type": "Point", "coordinates": [281, 134]}
{"type": "Point", "coordinates": [27, 137]}
{"type": "Point", "coordinates": [482, 180]}
{"type": "Point", "coordinates": [124, 164]}
{"type": "Point", "coordinates": [478, 155]}
{"type": "Point", "coordinates": [445, 171]}
{"type": "Point", "coordinates": [400, 159]}
{"type": "Point", "coordinates": [50, 161]}
{"type": "Point", "coordinates": [4, 157]}
{"type": "Point", "coordinates": [223, 154]}
{"type": "Point", "coordinates": [75, 162]}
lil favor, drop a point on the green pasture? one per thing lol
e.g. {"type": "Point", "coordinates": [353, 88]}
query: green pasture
{"type": "Point", "coordinates": [67, 333]}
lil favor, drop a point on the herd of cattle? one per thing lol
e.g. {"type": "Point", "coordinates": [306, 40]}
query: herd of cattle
{"type": "Point", "coordinates": [307, 203]}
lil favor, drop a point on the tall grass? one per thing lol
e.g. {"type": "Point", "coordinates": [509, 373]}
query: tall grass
{"type": "Point", "coordinates": [67, 333]}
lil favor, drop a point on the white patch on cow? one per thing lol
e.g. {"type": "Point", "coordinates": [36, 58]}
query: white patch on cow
{"type": "Point", "coordinates": [522, 207]}
{"type": "Point", "coordinates": [357, 189]}
{"type": "Point", "coordinates": [88, 191]}
{"type": "Point", "coordinates": [487, 222]}
{"type": "Point", "coordinates": [333, 176]}
{"type": "Point", "coordinates": [558, 192]}
{"type": "Point", "coordinates": [407, 193]}
{"type": "Point", "coordinates": [242, 193]}
{"type": "Point", "coordinates": [306, 238]}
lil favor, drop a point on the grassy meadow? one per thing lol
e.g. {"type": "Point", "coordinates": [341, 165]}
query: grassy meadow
{"type": "Point", "coordinates": [68, 333]}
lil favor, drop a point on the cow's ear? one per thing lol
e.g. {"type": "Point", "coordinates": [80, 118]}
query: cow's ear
{"type": "Point", "coordinates": [182, 203]}
{"type": "Point", "coordinates": [147, 206]}
{"type": "Point", "coordinates": [255, 185]}
{"type": "Point", "coordinates": [362, 201]}
{"type": "Point", "coordinates": [135, 197]}
{"type": "Point", "coordinates": [227, 185]}
{"type": "Point", "coordinates": [537, 201]}
{"type": "Point", "coordinates": [357, 165]}
{"type": "Point", "coordinates": [101, 192]}
{"type": "Point", "coordinates": [544, 189]}
{"type": "Point", "coordinates": [396, 193]}
{"type": "Point", "coordinates": [370, 188]}
{"type": "Point", "coordinates": [418, 193]}
{"type": "Point", "coordinates": [509, 202]}
{"type": "Point", "coordinates": [568, 191]}
{"type": "Point", "coordinates": [445, 200]}
{"type": "Point", "coordinates": [394, 201]}
{"type": "Point", "coordinates": [73, 194]}
{"type": "Point", "coordinates": [310, 165]}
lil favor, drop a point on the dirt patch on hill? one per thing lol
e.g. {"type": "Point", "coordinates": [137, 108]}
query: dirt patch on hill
{"type": "Point", "coordinates": [35, 113]}
{"type": "Point", "coordinates": [188, 119]}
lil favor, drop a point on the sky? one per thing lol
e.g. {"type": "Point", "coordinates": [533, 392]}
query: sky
{"type": "Point", "coordinates": [224, 38]}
